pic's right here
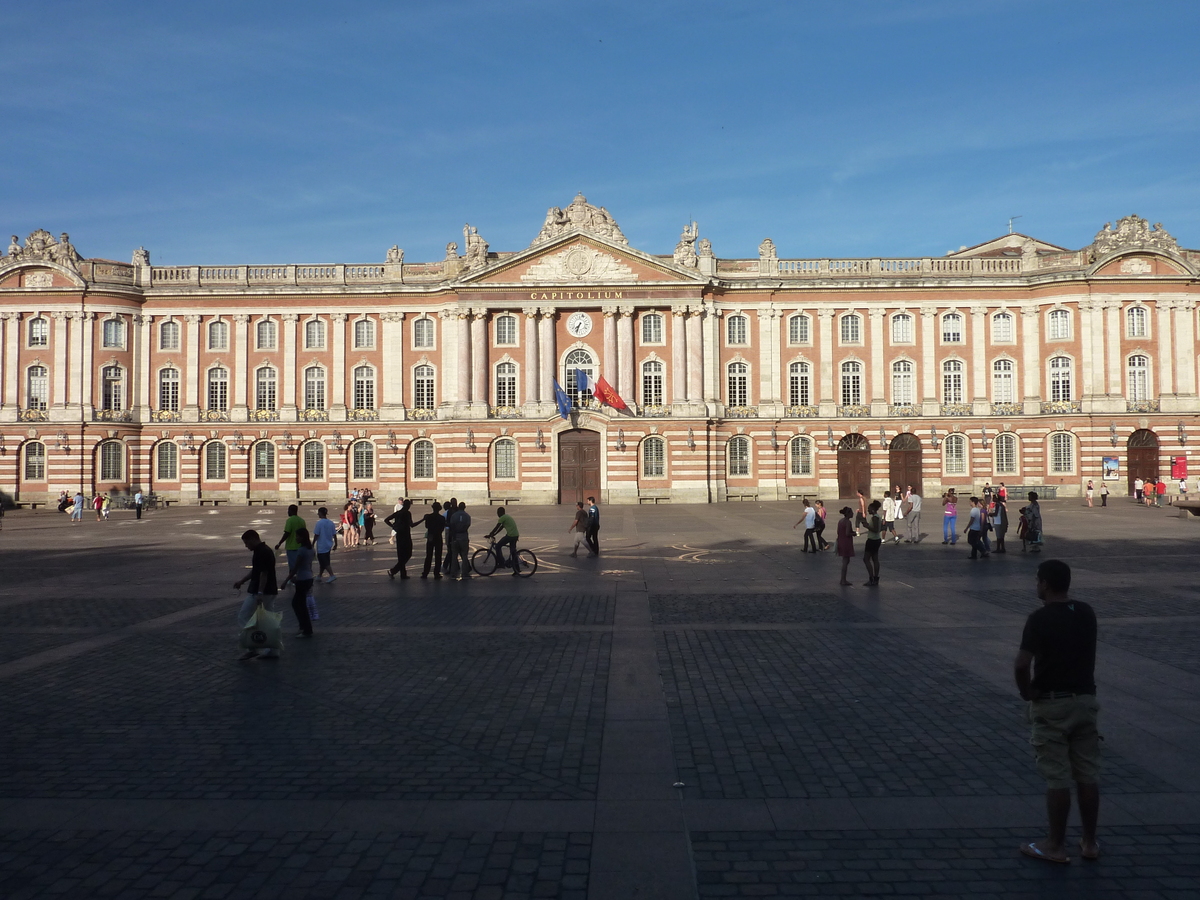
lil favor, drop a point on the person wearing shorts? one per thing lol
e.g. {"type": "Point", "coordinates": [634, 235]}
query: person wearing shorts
{"type": "Point", "coordinates": [1059, 641]}
{"type": "Point", "coordinates": [324, 541]}
{"type": "Point", "coordinates": [579, 524]}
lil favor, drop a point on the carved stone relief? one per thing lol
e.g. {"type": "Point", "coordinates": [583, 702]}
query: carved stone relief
{"type": "Point", "coordinates": [579, 263]}
{"type": "Point", "coordinates": [579, 216]}
{"type": "Point", "coordinates": [1132, 231]}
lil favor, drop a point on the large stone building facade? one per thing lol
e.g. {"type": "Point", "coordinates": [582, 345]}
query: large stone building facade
{"type": "Point", "coordinates": [763, 378]}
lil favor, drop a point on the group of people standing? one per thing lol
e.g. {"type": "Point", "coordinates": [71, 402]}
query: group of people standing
{"type": "Point", "coordinates": [447, 539]}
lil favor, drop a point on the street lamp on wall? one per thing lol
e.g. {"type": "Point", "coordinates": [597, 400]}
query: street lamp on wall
{"type": "Point", "coordinates": [470, 442]}
{"type": "Point", "coordinates": [934, 440]}
{"type": "Point", "coordinates": [691, 441]}
{"type": "Point", "coordinates": [774, 439]}
{"type": "Point", "coordinates": [832, 442]}
{"type": "Point", "coordinates": [287, 442]}
{"type": "Point", "coordinates": [64, 442]}
{"type": "Point", "coordinates": [189, 442]}
{"type": "Point", "coordinates": [337, 441]}
{"type": "Point", "coordinates": [986, 440]}
{"type": "Point", "coordinates": [540, 443]}
{"type": "Point", "coordinates": [1112, 434]}
{"type": "Point", "coordinates": [237, 441]}
{"type": "Point", "coordinates": [620, 438]}
{"type": "Point", "coordinates": [391, 444]}
{"type": "Point", "coordinates": [883, 441]}
{"type": "Point", "coordinates": [1182, 435]}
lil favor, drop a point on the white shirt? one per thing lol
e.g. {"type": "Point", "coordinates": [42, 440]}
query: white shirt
{"type": "Point", "coordinates": [889, 509]}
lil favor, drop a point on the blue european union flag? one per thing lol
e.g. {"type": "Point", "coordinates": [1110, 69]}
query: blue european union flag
{"type": "Point", "coordinates": [563, 401]}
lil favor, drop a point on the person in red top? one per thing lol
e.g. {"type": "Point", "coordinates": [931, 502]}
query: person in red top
{"type": "Point", "coordinates": [1160, 491]}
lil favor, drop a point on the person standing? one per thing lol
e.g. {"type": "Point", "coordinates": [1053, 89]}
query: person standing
{"type": "Point", "coordinates": [448, 511]}
{"type": "Point", "coordinates": [460, 543]}
{"type": "Point", "coordinates": [974, 529]}
{"type": "Point", "coordinates": [77, 509]}
{"type": "Point", "coordinates": [402, 524]}
{"type": "Point", "coordinates": [1090, 492]}
{"type": "Point", "coordinates": [914, 516]}
{"type": "Point", "coordinates": [898, 521]}
{"type": "Point", "coordinates": [810, 528]}
{"type": "Point", "coordinates": [1160, 491]}
{"type": "Point", "coordinates": [1059, 641]}
{"type": "Point", "coordinates": [434, 524]}
{"type": "Point", "coordinates": [949, 517]}
{"type": "Point", "coordinates": [138, 502]}
{"type": "Point", "coordinates": [1003, 492]}
{"type": "Point", "coordinates": [1182, 488]}
{"type": "Point", "coordinates": [1000, 522]}
{"type": "Point", "coordinates": [1033, 513]}
{"type": "Point", "coordinates": [845, 542]}
{"type": "Point", "coordinates": [511, 534]}
{"type": "Point", "coordinates": [368, 518]}
{"type": "Point", "coordinates": [592, 535]}
{"type": "Point", "coordinates": [262, 588]}
{"type": "Point", "coordinates": [862, 512]}
{"type": "Point", "coordinates": [1138, 485]}
{"type": "Point", "coordinates": [324, 543]}
{"type": "Point", "coordinates": [889, 515]}
{"type": "Point", "coordinates": [395, 509]}
{"type": "Point", "coordinates": [579, 524]}
{"type": "Point", "coordinates": [292, 524]}
{"type": "Point", "coordinates": [1104, 493]}
{"type": "Point", "coordinates": [98, 505]}
{"type": "Point", "coordinates": [875, 528]}
{"type": "Point", "coordinates": [301, 575]}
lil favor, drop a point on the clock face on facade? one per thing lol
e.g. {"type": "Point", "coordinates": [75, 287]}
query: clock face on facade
{"type": "Point", "coordinates": [579, 324]}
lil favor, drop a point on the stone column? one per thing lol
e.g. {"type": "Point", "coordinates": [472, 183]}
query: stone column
{"type": "Point", "coordinates": [826, 397]}
{"type": "Point", "coordinates": [447, 372]}
{"type": "Point", "coordinates": [710, 352]}
{"type": "Point", "coordinates": [338, 375]}
{"type": "Point", "coordinates": [769, 380]}
{"type": "Point", "coordinates": [929, 384]}
{"type": "Point", "coordinates": [878, 396]}
{"type": "Point", "coordinates": [609, 366]}
{"type": "Point", "coordinates": [1087, 345]}
{"type": "Point", "coordinates": [625, 373]}
{"type": "Point", "coordinates": [11, 376]}
{"type": "Point", "coordinates": [144, 334]}
{"type": "Point", "coordinates": [462, 337]}
{"type": "Point", "coordinates": [978, 389]}
{"type": "Point", "coordinates": [548, 350]}
{"type": "Point", "coordinates": [695, 355]}
{"type": "Point", "coordinates": [678, 354]}
{"type": "Point", "coordinates": [1031, 344]}
{"type": "Point", "coordinates": [1185, 361]}
{"type": "Point", "coordinates": [290, 376]}
{"type": "Point", "coordinates": [533, 380]}
{"type": "Point", "coordinates": [1166, 357]}
{"type": "Point", "coordinates": [240, 374]}
{"type": "Point", "coordinates": [87, 340]}
{"type": "Point", "coordinates": [392, 328]}
{"type": "Point", "coordinates": [1116, 365]}
{"type": "Point", "coordinates": [192, 384]}
{"type": "Point", "coordinates": [58, 389]}
{"type": "Point", "coordinates": [479, 357]}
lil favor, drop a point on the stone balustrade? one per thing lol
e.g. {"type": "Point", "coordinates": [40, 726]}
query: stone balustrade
{"type": "Point", "coordinates": [936, 267]}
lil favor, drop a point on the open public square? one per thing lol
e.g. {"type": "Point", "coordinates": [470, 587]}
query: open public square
{"type": "Point", "coordinates": [699, 712]}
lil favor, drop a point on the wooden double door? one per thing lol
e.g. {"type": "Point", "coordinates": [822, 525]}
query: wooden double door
{"type": "Point", "coordinates": [854, 466]}
{"type": "Point", "coordinates": [578, 465]}
{"type": "Point", "coordinates": [1143, 457]}
{"type": "Point", "coordinates": [904, 458]}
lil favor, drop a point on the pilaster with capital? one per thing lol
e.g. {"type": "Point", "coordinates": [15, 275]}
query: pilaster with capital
{"type": "Point", "coordinates": [1088, 335]}
{"type": "Point", "coordinates": [533, 382]}
{"type": "Point", "coordinates": [609, 366]}
{"type": "Point", "coordinates": [1115, 366]}
{"type": "Point", "coordinates": [62, 325]}
{"type": "Point", "coordinates": [710, 352]}
{"type": "Point", "coordinates": [1031, 341]}
{"type": "Point", "coordinates": [1185, 333]}
{"type": "Point", "coordinates": [875, 324]}
{"type": "Point", "coordinates": [392, 335]}
{"type": "Point", "coordinates": [241, 366]}
{"type": "Point", "coordinates": [695, 355]}
{"type": "Point", "coordinates": [929, 379]}
{"type": "Point", "coordinates": [192, 388]}
{"type": "Point", "coordinates": [337, 410]}
{"type": "Point", "coordinates": [449, 336]}
{"type": "Point", "coordinates": [547, 345]}
{"type": "Point", "coordinates": [10, 375]}
{"type": "Point", "coordinates": [1166, 356]}
{"type": "Point", "coordinates": [479, 354]}
{"type": "Point", "coordinates": [287, 324]}
{"type": "Point", "coordinates": [462, 389]}
{"type": "Point", "coordinates": [86, 332]}
{"type": "Point", "coordinates": [770, 378]}
{"type": "Point", "coordinates": [678, 354]}
{"type": "Point", "coordinates": [978, 389]}
{"type": "Point", "coordinates": [827, 398]}
{"type": "Point", "coordinates": [626, 380]}
{"type": "Point", "coordinates": [143, 334]}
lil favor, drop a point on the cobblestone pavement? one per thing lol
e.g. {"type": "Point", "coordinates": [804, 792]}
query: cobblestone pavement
{"type": "Point", "coordinates": [524, 738]}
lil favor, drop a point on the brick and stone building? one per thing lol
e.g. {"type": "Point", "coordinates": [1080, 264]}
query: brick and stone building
{"type": "Point", "coordinates": [1014, 360]}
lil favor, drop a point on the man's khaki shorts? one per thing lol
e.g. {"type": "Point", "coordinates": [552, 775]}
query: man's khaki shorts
{"type": "Point", "coordinates": [1065, 739]}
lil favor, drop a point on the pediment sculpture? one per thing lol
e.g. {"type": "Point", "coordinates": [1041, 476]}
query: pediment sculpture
{"type": "Point", "coordinates": [685, 250]}
{"type": "Point", "coordinates": [41, 246]}
{"type": "Point", "coordinates": [579, 264]}
{"type": "Point", "coordinates": [476, 248]}
{"type": "Point", "coordinates": [1135, 232]}
{"type": "Point", "coordinates": [579, 216]}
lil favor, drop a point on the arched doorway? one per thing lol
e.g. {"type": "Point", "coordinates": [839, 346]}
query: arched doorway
{"type": "Point", "coordinates": [578, 465]}
{"type": "Point", "coordinates": [904, 458]}
{"type": "Point", "coordinates": [1143, 457]}
{"type": "Point", "coordinates": [854, 466]}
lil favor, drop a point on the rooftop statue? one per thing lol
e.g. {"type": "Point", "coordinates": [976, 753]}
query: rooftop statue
{"type": "Point", "coordinates": [685, 250]}
{"type": "Point", "coordinates": [580, 216]}
{"type": "Point", "coordinates": [41, 245]}
{"type": "Point", "coordinates": [1132, 232]}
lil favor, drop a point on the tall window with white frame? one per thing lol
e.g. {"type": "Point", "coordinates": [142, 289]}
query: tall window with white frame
{"type": "Point", "coordinates": [264, 461]}
{"type": "Point", "coordinates": [1062, 453]}
{"type": "Point", "coordinates": [1060, 379]}
{"type": "Point", "coordinates": [952, 328]}
{"type": "Point", "coordinates": [167, 458]}
{"type": "Point", "coordinates": [1002, 328]}
{"type": "Point", "coordinates": [652, 328]}
{"type": "Point", "coordinates": [168, 336]}
{"type": "Point", "coordinates": [423, 333]}
{"type": "Point", "coordinates": [314, 335]}
{"type": "Point", "coordinates": [902, 382]}
{"type": "Point", "coordinates": [654, 457]}
{"type": "Point", "coordinates": [1006, 454]}
{"type": "Point", "coordinates": [506, 331]}
{"type": "Point", "coordinates": [362, 461]}
{"type": "Point", "coordinates": [35, 461]}
{"type": "Point", "coordinates": [218, 336]}
{"type": "Point", "coordinates": [800, 384]}
{"type": "Point", "coordinates": [112, 461]}
{"type": "Point", "coordinates": [1058, 327]}
{"type": "Point", "coordinates": [215, 461]}
{"type": "Point", "coordinates": [364, 387]}
{"type": "Point", "coordinates": [852, 383]}
{"type": "Point", "coordinates": [739, 455]}
{"type": "Point", "coordinates": [1136, 322]}
{"type": "Point", "coordinates": [735, 330]}
{"type": "Point", "coordinates": [800, 456]}
{"type": "Point", "coordinates": [506, 384]}
{"type": "Point", "coordinates": [218, 389]}
{"type": "Point", "coordinates": [851, 329]}
{"type": "Point", "coordinates": [1138, 379]}
{"type": "Point", "coordinates": [1003, 381]}
{"type": "Point", "coordinates": [114, 334]}
{"type": "Point", "coordinates": [364, 334]}
{"type": "Point", "coordinates": [422, 460]}
{"type": "Point", "coordinates": [265, 389]}
{"type": "Point", "coordinates": [902, 328]}
{"type": "Point", "coordinates": [266, 335]}
{"type": "Point", "coordinates": [504, 459]}
{"type": "Point", "coordinates": [578, 360]}
{"type": "Point", "coordinates": [738, 384]}
{"type": "Point", "coordinates": [952, 381]}
{"type": "Point", "coordinates": [423, 397]}
{"type": "Point", "coordinates": [314, 388]}
{"type": "Point", "coordinates": [37, 387]}
{"type": "Point", "coordinates": [313, 458]}
{"type": "Point", "coordinates": [39, 332]}
{"type": "Point", "coordinates": [112, 388]}
{"type": "Point", "coordinates": [799, 331]}
{"type": "Point", "coordinates": [652, 383]}
{"type": "Point", "coordinates": [955, 447]}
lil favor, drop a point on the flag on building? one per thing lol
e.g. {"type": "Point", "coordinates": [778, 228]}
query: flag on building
{"type": "Point", "coordinates": [562, 400]}
{"type": "Point", "coordinates": [583, 382]}
{"type": "Point", "coordinates": [603, 391]}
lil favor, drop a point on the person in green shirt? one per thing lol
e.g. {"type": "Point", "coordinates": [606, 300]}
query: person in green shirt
{"type": "Point", "coordinates": [511, 534]}
{"type": "Point", "coordinates": [293, 524]}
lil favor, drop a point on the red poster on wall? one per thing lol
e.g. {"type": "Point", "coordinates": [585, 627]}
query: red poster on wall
{"type": "Point", "coordinates": [1179, 467]}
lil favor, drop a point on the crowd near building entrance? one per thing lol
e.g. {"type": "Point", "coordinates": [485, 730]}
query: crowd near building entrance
{"type": "Point", "coordinates": [905, 462]}
{"type": "Point", "coordinates": [854, 466]}
{"type": "Point", "coordinates": [1143, 457]}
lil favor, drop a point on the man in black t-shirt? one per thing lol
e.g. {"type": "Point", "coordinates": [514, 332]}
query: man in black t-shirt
{"type": "Point", "coordinates": [263, 586]}
{"type": "Point", "coordinates": [1060, 641]}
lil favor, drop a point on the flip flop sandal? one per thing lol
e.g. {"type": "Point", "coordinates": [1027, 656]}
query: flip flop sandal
{"type": "Point", "coordinates": [1089, 856]}
{"type": "Point", "coordinates": [1033, 851]}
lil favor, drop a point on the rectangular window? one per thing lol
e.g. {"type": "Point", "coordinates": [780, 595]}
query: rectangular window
{"type": "Point", "coordinates": [902, 329]}
{"type": "Point", "coordinates": [798, 332]}
{"type": "Point", "coordinates": [364, 334]}
{"type": "Point", "coordinates": [801, 457]}
{"type": "Point", "coordinates": [168, 461]}
{"type": "Point", "coordinates": [1062, 457]}
{"type": "Point", "coordinates": [653, 461]}
{"type": "Point", "coordinates": [506, 459]}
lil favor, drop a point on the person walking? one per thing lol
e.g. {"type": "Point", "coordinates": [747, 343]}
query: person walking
{"type": "Point", "coordinates": [324, 543]}
{"type": "Point", "coordinates": [368, 519]}
{"type": "Point", "coordinates": [262, 587]}
{"type": "Point", "coordinates": [460, 543]}
{"type": "Point", "coordinates": [862, 511]}
{"type": "Point", "coordinates": [1138, 486]}
{"type": "Point", "coordinates": [292, 524]}
{"type": "Point", "coordinates": [98, 505]}
{"type": "Point", "coordinates": [819, 506]}
{"type": "Point", "coordinates": [579, 524]}
{"type": "Point", "coordinates": [1089, 492]}
{"type": "Point", "coordinates": [889, 515]}
{"type": "Point", "coordinates": [1104, 493]}
{"type": "Point", "coordinates": [875, 530]}
{"type": "Point", "coordinates": [105, 505]}
{"type": "Point", "coordinates": [402, 524]}
{"type": "Point", "coordinates": [810, 528]}
{"type": "Point", "coordinates": [434, 524]}
{"type": "Point", "coordinates": [898, 521]}
{"type": "Point", "coordinates": [845, 542]}
{"type": "Point", "coordinates": [949, 517]}
{"type": "Point", "coordinates": [138, 502]}
{"type": "Point", "coordinates": [77, 509]}
{"type": "Point", "coordinates": [1059, 640]}
{"type": "Point", "coordinates": [1000, 522]}
{"type": "Point", "coordinates": [1182, 488]}
{"type": "Point", "coordinates": [448, 511]}
{"type": "Point", "coordinates": [974, 529]}
{"type": "Point", "coordinates": [300, 574]}
{"type": "Point", "coordinates": [396, 509]}
{"type": "Point", "coordinates": [592, 535]}
{"type": "Point", "coordinates": [913, 517]}
{"type": "Point", "coordinates": [1160, 492]}
{"type": "Point", "coordinates": [1033, 513]}
{"type": "Point", "coordinates": [508, 525]}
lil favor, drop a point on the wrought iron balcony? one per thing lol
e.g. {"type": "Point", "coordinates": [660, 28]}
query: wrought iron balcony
{"type": "Point", "coordinates": [165, 415]}
{"type": "Point", "coordinates": [1007, 409]}
{"type": "Point", "coordinates": [957, 409]}
{"type": "Point", "coordinates": [214, 415]}
{"type": "Point", "coordinates": [1055, 407]}
{"type": "Point", "coordinates": [904, 409]}
{"type": "Point", "coordinates": [112, 415]}
{"type": "Point", "coordinates": [362, 415]}
{"type": "Point", "coordinates": [655, 410]}
{"type": "Point", "coordinates": [1141, 406]}
{"type": "Point", "coordinates": [741, 412]}
{"type": "Point", "coordinates": [855, 411]}
{"type": "Point", "coordinates": [313, 415]}
{"type": "Point", "coordinates": [420, 414]}
{"type": "Point", "coordinates": [263, 415]}
{"type": "Point", "coordinates": [34, 415]}
{"type": "Point", "coordinates": [506, 412]}
{"type": "Point", "coordinates": [800, 412]}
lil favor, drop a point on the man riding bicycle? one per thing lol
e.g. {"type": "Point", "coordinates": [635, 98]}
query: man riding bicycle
{"type": "Point", "coordinates": [510, 538]}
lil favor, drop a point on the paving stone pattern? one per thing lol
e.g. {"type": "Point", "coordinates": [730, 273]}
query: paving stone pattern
{"type": "Point", "coordinates": [1146, 863]}
{"type": "Point", "coordinates": [1129, 602]}
{"type": "Point", "coordinates": [737, 608]}
{"type": "Point", "coordinates": [844, 713]}
{"type": "Point", "coordinates": [95, 612]}
{"type": "Point", "coordinates": [1173, 644]}
{"type": "Point", "coordinates": [14, 646]}
{"type": "Point", "coordinates": [294, 865]}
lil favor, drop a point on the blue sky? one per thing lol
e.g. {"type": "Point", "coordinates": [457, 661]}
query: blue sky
{"type": "Point", "coordinates": [268, 132]}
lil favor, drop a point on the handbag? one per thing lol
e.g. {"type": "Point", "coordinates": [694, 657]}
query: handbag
{"type": "Point", "coordinates": [264, 630]}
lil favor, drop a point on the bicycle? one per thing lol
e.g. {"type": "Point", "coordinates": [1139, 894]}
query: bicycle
{"type": "Point", "coordinates": [487, 559]}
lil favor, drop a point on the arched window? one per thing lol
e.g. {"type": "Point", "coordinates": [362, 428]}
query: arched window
{"type": "Point", "coordinates": [652, 383]}
{"type": "Point", "coordinates": [902, 382]}
{"type": "Point", "coordinates": [112, 387]}
{"type": "Point", "coordinates": [506, 331]}
{"type": "Point", "coordinates": [114, 333]}
{"type": "Point", "coordinates": [37, 388]}
{"type": "Point", "coordinates": [956, 454]}
{"type": "Point", "coordinates": [265, 335]}
{"type": "Point", "coordinates": [735, 330]}
{"type": "Point", "coordinates": [738, 384]}
{"type": "Point", "coordinates": [1002, 328]}
{"type": "Point", "coordinates": [952, 328]}
{"type": "Point", "coordinates": [264, 461]}
{"type": "Point", "coordinates": [1059, 325]}
{"type": "Point", "coordinates": [506, 384]}
{"type": "Point", "coordinates": [218, 336]}
{"type": "Point", "coordinates": [314, 388]}
{"type": "Point", "coordinates": [952, 381]}
{"type": "Point", "coordinates": [218, 389]}
{"type": "Point", "coordinates": [364, 387]}
{"type": "Point", "coordinates": [265, 393]}
{"type": "Point", "coordinates": [364, 334]}
{"type": "Point", "coordinates": [168, 461]}
{"type": "Point", "coordinates": [35, 461]}
{"type": "Point", "coordinates": [799, 384]}
{"type": "Point", "coordinates": [423, 333]}
{"type": "Point", "coordinates": [654, 457]}
{"type": "Point", "coordinates": [168, 336]}
{"type": "Point", "coordinates": [902, 329]}
{"type": "Point", "coordinates": [1060, 378]}
{"type": "Point", "coordinates": [313, 456]}
{"type": "Point", "coordinates": [739, 455]}
{"type": "Point", "coordinates": [798, 330]}
{"type": "Point", "coordinates": [215, 457]}
{"type": "Point", "coordinates": [1138, 379]}
{"type": "Point", "coordinates": [1003, 386]}
{"type": "Point", "coordinates": [362, 461]}
{"type": "Point", "coordinates": [314, 335]}
{"type": "Point", "coordinates": [800, 456]}
{"type": "Point", "coordinates": [423, 387]}
{"type": "Point", "coordinates": [851, 329]}
{"type": "Point", "coordinates": [1062, 453]}
{"type": "Point", "coordinates": [422, 459]}
{"type": "Point", "coordinates": [1006, 454]}
{"type": "Point", "coordinates": [577, 361]}
{"type": "Point", "coordinates": [112, 461]}
{"type": "Point", "coordinates": [851, 383]}
{"type": "Point", "coordinates": [1135, 319]}
{"type": "Point", "coordinates": [652, 328]}
{"type": "Point", "coordinates": [39, 332]}
{"type": "Point", "coordinates": [504, 459]}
